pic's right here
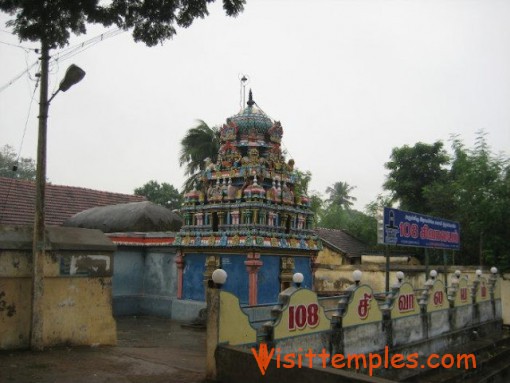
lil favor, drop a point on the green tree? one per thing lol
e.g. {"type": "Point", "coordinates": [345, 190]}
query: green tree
{"type": "Point", "coordinates": [316, 204]}
{"type": "Point", "coordinates": [152, 21]}
{"type": "Point", "coordinates": [412, 170]}
{"type": "Point", "coordinates": [470, 186]}
{"type": "Point", "coordinates": [302, 182]}
{"type": "Point", "coordinates": [336, 213]}
{"type": "Point", "coordinates": [380, 202]}
{"type": "Point", "coordinates": [354, 222]}
{"type": "Point", "coordinates": [163, 194]}
{"type": "Point", "coordinates": [12, 167]}
{"type": "Point", "coordinates": [339, 195]}
{"type": "Point", "coordinates": [481, 198]}
{"type": "Point", "coordinates": [199, 144]}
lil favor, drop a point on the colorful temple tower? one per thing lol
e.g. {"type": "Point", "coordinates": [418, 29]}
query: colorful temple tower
{"type": "Point", "coordinates": [247, 216]}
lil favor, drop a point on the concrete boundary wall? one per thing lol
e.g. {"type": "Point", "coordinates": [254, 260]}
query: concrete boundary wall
{"type": "Point", "coordinates": [329, 278]}
{"type": "Point", "coordinates": [426, 320]}
{"type": "Point", "coordinates": [76, 288]}
{"type": "Point", "coordinates": [238, 364]}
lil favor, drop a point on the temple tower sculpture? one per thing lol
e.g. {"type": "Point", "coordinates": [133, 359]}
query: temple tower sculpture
{"type": "Point", "coordinates": [247, 216]}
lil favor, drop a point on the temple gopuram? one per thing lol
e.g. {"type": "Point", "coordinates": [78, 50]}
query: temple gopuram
{"type": "Point", "coordinates": [247, 216]}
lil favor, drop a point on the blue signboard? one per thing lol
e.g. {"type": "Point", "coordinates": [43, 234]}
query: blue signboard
{"type": "Point", "coordinates": [404, 228]}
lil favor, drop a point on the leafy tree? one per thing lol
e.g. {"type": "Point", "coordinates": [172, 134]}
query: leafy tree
{"type": "Point", "coordinates": [479, 181]}
{"type": "Point", "coordinates": [12, 167]}
{"type": "Point", "coordinates": [336, 213]}
{"type": "Point", "coordinates": [200, 143]}
{"type": "Point", "coordinates": [470, 186]}
{"type": "Point", "coordinates": [163, 194]}
{"type": "Point", "coordinates": [352, 221]}
{"type": "Point", "coordinates": [380, 202]}
{"type": "Point", "coordinates": [339, 195]}
{"type": "Point", "coordinates": [316, 204]}
{"type": "Point", "coordinates": [152, 21]}
{"type": "Point", "coordinates": [412, 169]}
{"type": "Point", "coordinates": [303, 179]}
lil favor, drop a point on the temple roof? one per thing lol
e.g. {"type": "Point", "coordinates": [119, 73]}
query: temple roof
{"type": "Point", "coordinates": [249, 196]}
{"type": "Point", "coordinates": [251, 117]}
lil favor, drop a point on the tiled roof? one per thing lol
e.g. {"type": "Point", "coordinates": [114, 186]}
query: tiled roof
{"type": "Point", "coordinates": [17, 201]}
{"type": "Point", "coordinates": [341, 241]}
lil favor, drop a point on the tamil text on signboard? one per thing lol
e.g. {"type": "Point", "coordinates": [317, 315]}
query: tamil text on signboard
{"type": "Point", "coordinates": [404, 228]}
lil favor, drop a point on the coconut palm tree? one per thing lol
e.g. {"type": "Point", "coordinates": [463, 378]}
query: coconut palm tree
{"type": "Point", "coordinates": [339, 194]}
{"type": "Point", "coordinates": [199, 143]}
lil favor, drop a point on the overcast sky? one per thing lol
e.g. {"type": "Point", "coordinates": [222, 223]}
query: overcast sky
{"type": "Point", "coordinates": [349, 81]}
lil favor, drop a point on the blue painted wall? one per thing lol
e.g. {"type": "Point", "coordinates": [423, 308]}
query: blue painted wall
{"type": "Point", "coordinates": [128, 272]}
{"type": "Point", "coordinates": [237, 280]}
{"type": "Point", "coordinates": [193, 277]}
{"type": "Point", "coordinates": [144, 281]}
{"type": "Point", "coordinates": [269, 279]}
{"type": "Point", "coordinates": [302, 265]}
{"type": "Point", "coordinates": [159, 283]}
{"type": "Point", "coordinates": [160, 276]}
{"type": "Point", "coordinates": [127, 282]}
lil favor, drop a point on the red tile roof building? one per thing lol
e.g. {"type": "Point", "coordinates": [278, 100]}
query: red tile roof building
{"type": "Point", "coordinates": [343, 243]}
{"type": "Point", "coordinates": [17, 201]}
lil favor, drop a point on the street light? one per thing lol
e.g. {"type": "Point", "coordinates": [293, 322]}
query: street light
{"type": "Point", "coordinates": [298, 278]}
{"type": "Point", "coordinates": [73, 75]}
{"type": "Point", "coordinates": [400, 276]}
{"type": "Point", "coordinates": [219, 277]}
{"type": "Point", "coordinates": [356, 275]}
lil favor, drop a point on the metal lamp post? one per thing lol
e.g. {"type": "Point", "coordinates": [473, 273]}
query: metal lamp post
{"type": "Point", "coordinates": [73, 75]}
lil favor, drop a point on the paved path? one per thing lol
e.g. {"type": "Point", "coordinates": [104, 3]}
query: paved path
{"type": "Point", "coordinates": [149, 350]}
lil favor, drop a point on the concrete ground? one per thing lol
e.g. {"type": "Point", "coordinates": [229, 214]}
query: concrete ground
{"type": "Point", "coordinates": [149, 350]}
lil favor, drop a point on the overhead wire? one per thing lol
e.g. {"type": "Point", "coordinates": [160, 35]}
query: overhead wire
{"type": "Point", "coordinates": [26, 49]}
{"type": "Point", "coordinates": [17, 77]}
{"type": "Point", "coordinates": [73, 51]}
{"type": "Point", "coordinates": [54, 60]}
{"type": "Point", "coordinates": [15, 166]}
{"type": "Point", "coordinates": [67, 53]}
{"type": "Point", "coordinates": [4, 31]}
{"type": "Point", "coordinates": [26, 121]}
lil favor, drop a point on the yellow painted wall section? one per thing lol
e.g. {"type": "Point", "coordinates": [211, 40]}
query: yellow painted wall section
{"type": "Point", "coordinates": [329, 257]}
{"type": "Point", "coordinates": [15, 307]}
{"type": "Point", "coordinates": [405, 303]}
{"type": "Point", "coordinates": [497, 289]}
{"type": "Point", "coordinates": [505, 297]}
{"type": "Point", "coordinates": [328, 279]}
{"type": "Point", "coordinates": [438, 299]}
{"type": "Point", "coordinates": [303, 315]}
{"type": "Point", "coordinates": [463, 294]}
{"type": "Point", "coordinates": [15, 264]}
{"type": "Point", "coordinates": [78, 311]}
{"type": "Point", "coordinates": [234, 326]}
{"type": "Point", "coordinates": [482, 293]}
{"type": "Point", "coordinates": [362, 308]}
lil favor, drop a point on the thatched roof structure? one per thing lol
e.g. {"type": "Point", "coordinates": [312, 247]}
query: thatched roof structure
{"type": "Point", "coordinates": [127, 217]}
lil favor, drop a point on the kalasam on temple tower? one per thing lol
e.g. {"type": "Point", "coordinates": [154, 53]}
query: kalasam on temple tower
{"type": "Point", "coordinates": [247, 215]}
